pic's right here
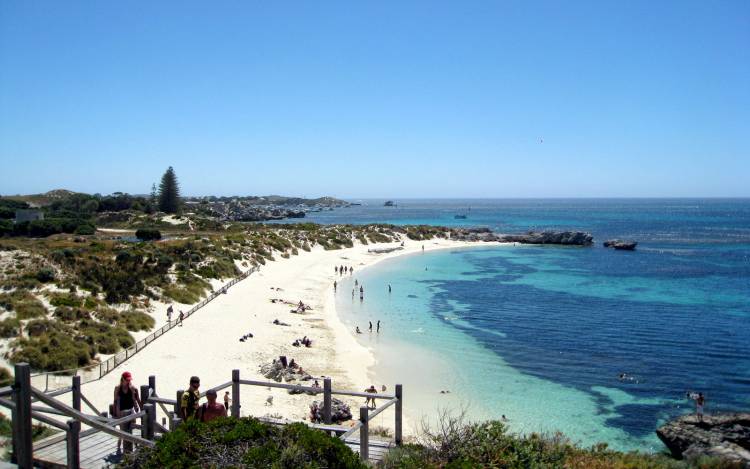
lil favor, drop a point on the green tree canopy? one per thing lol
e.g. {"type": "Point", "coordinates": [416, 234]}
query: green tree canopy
{"type": "Point", "coordinates": [169, 192]}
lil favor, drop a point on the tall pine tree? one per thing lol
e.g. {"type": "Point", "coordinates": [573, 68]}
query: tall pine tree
{"type": "Point", "coordinates": [169, 192]}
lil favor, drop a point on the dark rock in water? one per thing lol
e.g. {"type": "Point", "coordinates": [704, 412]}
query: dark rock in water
{"type": "Point", "coordinates": [620, 244]}
{"type": "Point", "coordinates": [389, 203]}
{"type": "Point", "coordinates": [567, 238]}
{"type": "Point", "coordinates": [725, 436]}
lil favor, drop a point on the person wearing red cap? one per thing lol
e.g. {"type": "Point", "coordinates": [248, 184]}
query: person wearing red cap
{"type": "Point", "coordinates": [126, 402]}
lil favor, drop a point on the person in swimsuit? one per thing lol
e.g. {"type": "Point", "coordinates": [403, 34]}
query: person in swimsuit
{"type": "Point", "coordinates": [699, 401]}
{"type": "Point", "coordinates": [126, 402]}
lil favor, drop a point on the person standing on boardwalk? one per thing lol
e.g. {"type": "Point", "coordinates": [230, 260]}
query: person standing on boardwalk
{"type": "Point", "coordinates": [169, 314]}
{"type": "Point", "coordinates": [211, 409]}
{"type": "Point", "coordinates": [190, 398]}
{"type": "Point", "coordinates": [126, 402]}
{"type": "Point", "coordinates": [182, 316]}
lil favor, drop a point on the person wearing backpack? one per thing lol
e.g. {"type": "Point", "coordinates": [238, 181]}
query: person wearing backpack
{"type": "Point", "coordinates": [189, 399]}
{"type": "Point", "coordinates": [211, 409]}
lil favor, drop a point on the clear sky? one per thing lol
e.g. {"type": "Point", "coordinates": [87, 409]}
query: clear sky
{"type": "Point", "coordinates": [370, 99]}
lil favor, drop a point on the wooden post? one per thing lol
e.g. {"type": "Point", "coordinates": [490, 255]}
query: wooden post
{"type": "Point", "coordinates": [399, 414]}
{"type": "Point", "coordinates": [171, 417]}
{"type": "Point", "coordinates": [327, 400]}
{"type": "Point", "coordinates": [236, 393]}
{"type": "Point", "coordinates": [74, 451]}
{"type": "Point", "coordinates": [76, 390]}
{"type": "Point", "coordinates": [144, 419]}
{"type": "Point", "coordinates": [23, 450]}
{"type": "Point", "coordinates": [364, 433]}
{"type": "Point", "coordinates": [152, 385]}
{"type": "Point", "coordinates": [177, 412]}
{"type": "Point", "coordinates": [149, 422]}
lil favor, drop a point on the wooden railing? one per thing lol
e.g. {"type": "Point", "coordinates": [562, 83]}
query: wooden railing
{"type": "Point", "coordinates": [50, 380]}
{"type": "Point", "coordinates": [23, 395]}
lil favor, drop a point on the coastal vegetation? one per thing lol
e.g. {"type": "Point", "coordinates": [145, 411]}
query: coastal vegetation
{"type": "Point", "coordinates": [247, 442]}
{"type": "Point", "coordinates": [67, 300]}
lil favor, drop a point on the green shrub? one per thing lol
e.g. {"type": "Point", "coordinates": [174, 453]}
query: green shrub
{"type": "Point", "coordinates": [23, 303]}
{"type": "Point", "coordinates": [62, 299]}
{"type": "Point", "coordinates": [135, 321]}
{"type": "Point", "coordinates": [6, 377]}
{"type": "Point", "coordinates": [51, 347]}
{"type": "Point", "coordinates": [246, 442]}
{"type": "Point", "coordinates": [9, 328]}
{"type": "Point", "coordinates": [45, 275]}
{"type": "Point", "coordinates": [148, 234]}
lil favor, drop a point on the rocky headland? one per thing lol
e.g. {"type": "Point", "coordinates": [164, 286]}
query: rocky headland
{"type": "Point", "coordinates": [726, 436]}
{"type": "Point", "coordinates": [566, 238]}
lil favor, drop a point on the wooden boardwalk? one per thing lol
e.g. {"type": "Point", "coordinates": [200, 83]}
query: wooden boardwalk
{"type": "Point", "coordinates": [100, 450]}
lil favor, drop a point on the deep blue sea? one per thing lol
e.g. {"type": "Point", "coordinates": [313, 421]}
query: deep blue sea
{"type": "Point", "coordinates": [542, 334]}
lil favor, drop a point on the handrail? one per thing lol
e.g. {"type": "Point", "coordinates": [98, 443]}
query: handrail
{"type": "Point", "coordinates": [48, 420]}
{"type": "Point", "coordinates": [9, 404]}
{"type": "Point", "coordinates": [6, 391]}
{"type": "Point", "coordinates": [381, 409]}
{"type": "Point", "coordinates": [363, 394]}
{"type": "Point", "coordinates": [161, 400]}
{"type": "Point", "coordinates": [88, 403]}
{"type": "Point", "coordinates": [271, 384]}
{"type": "Point", "coordinates": [89, 421]}
{"type": "Point", "coordinates": [351, 431]}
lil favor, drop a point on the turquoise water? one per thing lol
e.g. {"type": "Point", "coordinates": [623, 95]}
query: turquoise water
{"type": "Point", "coordinates": [542, 334]}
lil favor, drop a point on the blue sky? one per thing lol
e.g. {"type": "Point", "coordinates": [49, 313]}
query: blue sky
{"type": "Point", "coordinates": [370, 99]}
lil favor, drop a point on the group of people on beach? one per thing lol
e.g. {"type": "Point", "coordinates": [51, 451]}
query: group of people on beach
{"type": "Point", "coordinates": [370, 328]}
{"type": "Point", "coordinates": [127, 401]}
{"type": "Point", "coordinates": [343, 270]}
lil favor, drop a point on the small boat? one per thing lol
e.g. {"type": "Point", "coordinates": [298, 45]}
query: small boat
{"type": "Point", "coordinates": [389, 203]}
{"type": "Point", "coordinates": [459, 217]}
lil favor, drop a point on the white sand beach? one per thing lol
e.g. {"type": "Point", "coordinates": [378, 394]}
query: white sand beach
{"type": "Point", "coordinates": [207, 345]}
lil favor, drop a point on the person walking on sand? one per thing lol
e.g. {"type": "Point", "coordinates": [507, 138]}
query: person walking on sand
{"type": "Point", "coordinates": [126, 402]}
{"type": "Point", "coordinates": [334, 286]}
{"type": "Point", "coordinates": [370, 325]}
{"type": "Point", "coordinates": [351, 270]}
{"type": "Point", "coordinates": [361, 293]}
{"type": "Point", "coordinates": [352, 293]}
{"type": "Point", "coordinates": [369, 400]}
{"type": "Point", "coordinates": [378, 326]}
{"type": "Point", "coordinates": [356, 282]}
{"type": "Point", "coordinates": [335, 269]}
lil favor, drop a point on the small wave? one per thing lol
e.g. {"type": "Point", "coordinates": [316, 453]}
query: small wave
{"type": "Point", "coordinates": [418, 330]}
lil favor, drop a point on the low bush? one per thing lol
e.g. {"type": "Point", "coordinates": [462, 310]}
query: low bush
{"type": "Point", "coordinates": [135, 321]}
{"type": "Point", "coordinates": [9, 328]}
{"type": "Point", "coordinates": [25, 305]}
{"type": "Point", "coordinates": [45, 275]}
{"type": "Point", "coordinates": [246, 442]}
{"type": "Point", "coordinates": [63, 299]}
{"type": "Point", "coordinates": [148, 234]}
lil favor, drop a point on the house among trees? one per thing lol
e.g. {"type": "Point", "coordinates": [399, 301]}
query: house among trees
{"type": "Point", "coordinates": [23, 215]}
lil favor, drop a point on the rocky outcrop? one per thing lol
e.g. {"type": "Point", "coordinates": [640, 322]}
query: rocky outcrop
{"type": "Point", "coordinates": [340, 411]}
{"type": "Point", "coordinates": [726, 436]}
{"type": "Point", "coordinates": [278, 371]}
{"type": "Point", "coordinates": [620, 244]}
{"type": "Point", "coordinates": [566, 238]}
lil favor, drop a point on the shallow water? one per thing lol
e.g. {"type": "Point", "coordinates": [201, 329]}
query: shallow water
{"type": "Point", "coordinates": [542, 334]}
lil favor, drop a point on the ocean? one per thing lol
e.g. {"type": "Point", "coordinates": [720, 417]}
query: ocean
{"type": "Point", "coordinates": [602, 345]}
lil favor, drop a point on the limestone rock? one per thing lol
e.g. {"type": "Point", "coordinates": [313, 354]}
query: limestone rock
{"type": "Point", "coordinates": [726, 436]}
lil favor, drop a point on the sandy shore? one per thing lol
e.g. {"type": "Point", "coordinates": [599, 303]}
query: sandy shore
{"type": "Point", "coordinates": [208, 343]}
